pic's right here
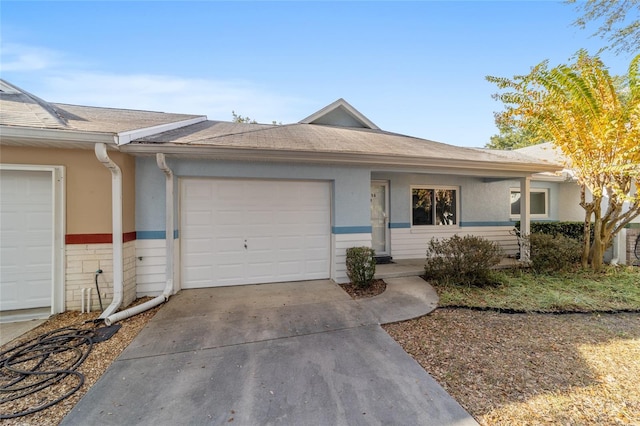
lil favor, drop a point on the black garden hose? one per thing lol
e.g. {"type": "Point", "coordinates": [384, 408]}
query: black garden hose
{"type": "Point", "coordinates": [98, 272]}
{"type": "Point", "coordinates": [48, 360]}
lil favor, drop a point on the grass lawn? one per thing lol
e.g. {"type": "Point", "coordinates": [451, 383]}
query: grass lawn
{"type": "Point", "coordinates": [616, 289]}
{"type": "Point", "coordinates": [536, 368]}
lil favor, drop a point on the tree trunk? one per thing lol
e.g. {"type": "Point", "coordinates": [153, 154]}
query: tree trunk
{"type": "Point", "coordinates": [586, 248]}
{"type": "Point", "coordinates": [588, 210]}
{"type": "Point", "coordinates": [597, 249]}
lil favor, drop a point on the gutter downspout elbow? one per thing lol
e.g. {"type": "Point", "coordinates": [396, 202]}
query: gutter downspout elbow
{"type": "Point", "coordinates": [116, 219]}
{"type": "Point", "coordinates": [168, 288]}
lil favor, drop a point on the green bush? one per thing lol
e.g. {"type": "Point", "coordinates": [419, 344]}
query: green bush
{"type": "Point", "coordinates": [573, 230]}
{"type": "Point", "coordinates": [462, 260]}
{"type": "Point", "coordinates": [549, 253]}
{"type": "Point", "coordinates": [361, 266]}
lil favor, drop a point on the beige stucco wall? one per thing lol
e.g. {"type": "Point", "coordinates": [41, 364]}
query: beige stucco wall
{"type": "Point", "coordinates": [87, 187]}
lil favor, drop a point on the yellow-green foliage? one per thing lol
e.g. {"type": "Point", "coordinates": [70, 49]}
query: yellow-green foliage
{"type": "Point", "coordinates": [594, 120]}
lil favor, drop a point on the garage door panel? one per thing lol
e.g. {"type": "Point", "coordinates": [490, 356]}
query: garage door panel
{"type": "Point", "coordinates": [289, 242]}
{"type": "Point", "coordinates": [314, 242]}
{"type": "Point", "coordinates": [283, 224]}
{"type": "Point", "coordinates": [262, 270]}
{"type": "Point", "coordinates": [229, 272]}
{"type": "Point", "coordinates": [259, 219]}
{"type": "Point", "coordinates": [316, 218]}
{"type": "Point", "coordinates": [195, 218]}
{"type": "Point", "coordinates": [229, 217]}
{"type": "Point", "coordinates": [199, 273]}
{"type": "Point", "coordinates": [290, 268]}
{"type": "Point", "coordinates": [39, 221]}
{"type": "Point", "coordinates": [236, 231]}
{"type": "Point", "coordinates": [26, 245]}
{"type": "Point", "coordinates": [198, 246]}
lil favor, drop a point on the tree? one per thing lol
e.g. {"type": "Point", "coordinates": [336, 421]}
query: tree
{"type": "Point", "coordinates": [622, 33]}
{"type": "Point", "coordinates": [510, 138]}
{"type": "Point", "coordinates": [237, 118]}
{"type": "Point", "coordinates": [594, 119]}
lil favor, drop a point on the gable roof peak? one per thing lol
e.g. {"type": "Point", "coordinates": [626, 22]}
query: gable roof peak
{"type": "Point", "coordinates": [340, 114]}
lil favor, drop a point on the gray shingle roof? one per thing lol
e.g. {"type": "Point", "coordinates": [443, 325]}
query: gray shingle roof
{"type": "Point", "coordinates": [322, 139]}
{"type": "Point", "coordinates": [113, 120]}
{"type": "Point", "coordinates": [544, 151]}
{"type": "Point", "coordinates": [19, 108]}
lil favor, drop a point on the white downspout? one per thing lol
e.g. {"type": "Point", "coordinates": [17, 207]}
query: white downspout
{"type": "Point", "coordinates": [116, 219]}
{"type": "Point", "coordinates": [168, 288]}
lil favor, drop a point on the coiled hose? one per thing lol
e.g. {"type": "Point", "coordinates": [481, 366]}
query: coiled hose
{"type": "Point", "coordinates": [41, 372]}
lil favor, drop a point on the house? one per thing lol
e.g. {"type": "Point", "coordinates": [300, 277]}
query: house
{"type": "Point", "coordinates": [161, 202]}
{"type": "Point", "coordinates": [565, 186]}
{"type": "Point", "coordinates": [56, 200]}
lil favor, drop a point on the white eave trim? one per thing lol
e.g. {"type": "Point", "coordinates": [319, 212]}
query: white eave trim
{"type": "Point", "coordinates": [29, 133]}
{"type": "Point", "coordinates": [362, 159]}
{"type": "Point", "coordinates": [124, 138]}
{"type": "Point", "coordinates": [565, 176]}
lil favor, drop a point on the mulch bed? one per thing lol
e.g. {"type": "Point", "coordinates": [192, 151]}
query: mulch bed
{"type": "Point", "coordinates": [531, 369]}
{"type": "Point", "coordinates": [100, 357]}
{"type": "Point", "coordinates": [377, 287]}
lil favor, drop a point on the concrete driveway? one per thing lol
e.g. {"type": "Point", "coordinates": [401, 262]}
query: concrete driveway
{"type": "Point", "coordinates": [298, 353]}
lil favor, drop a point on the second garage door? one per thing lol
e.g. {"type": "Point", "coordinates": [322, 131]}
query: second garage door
{"type": "Point", "coordinates": [253, 231]}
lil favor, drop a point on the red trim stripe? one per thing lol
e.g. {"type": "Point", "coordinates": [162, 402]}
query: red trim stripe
{"type": "Point", "coordinates": [97, 238]}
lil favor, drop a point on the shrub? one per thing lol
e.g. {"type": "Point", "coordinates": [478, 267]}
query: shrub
{"type": "Point", "coordinates": [549, 253]}
{"type": "Point", "coordinates": [462, 260]}
{"type": "Point", "coordinates": [573, 230]}
{"type": "Point", "coordinates": [361, 265]}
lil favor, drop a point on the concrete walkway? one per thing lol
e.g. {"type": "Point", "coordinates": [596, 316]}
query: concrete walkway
{"type": "Point", "coordinates": [12, 330]}
{"type": "Point", "coordinates": [300, 353]}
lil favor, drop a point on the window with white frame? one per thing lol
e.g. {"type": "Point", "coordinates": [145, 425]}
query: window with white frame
{"type": "Point", "coordinates": [538, 202]}
{"type": "Point", "coordinates": [434, 206]}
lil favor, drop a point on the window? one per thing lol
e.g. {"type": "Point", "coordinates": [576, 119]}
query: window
{"type": "Point", "coordinates": [434, 206]}
{"type": "Point", "coordinates": [538, 202]}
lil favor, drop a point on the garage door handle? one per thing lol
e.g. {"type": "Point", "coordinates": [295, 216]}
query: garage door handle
{"type": "Point", "coordinates": [245, 244]}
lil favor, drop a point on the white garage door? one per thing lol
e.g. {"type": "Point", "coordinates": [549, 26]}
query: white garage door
{"type": "Point", "coordinates": [26, 246]}
{"type": "Point", "coordinates": [250, 231]}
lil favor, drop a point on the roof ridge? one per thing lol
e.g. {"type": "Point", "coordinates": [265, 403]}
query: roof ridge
{"type": "Point", "coordinates": [61, 104]}
{"type": "Point", "coordinates": [46, 106]}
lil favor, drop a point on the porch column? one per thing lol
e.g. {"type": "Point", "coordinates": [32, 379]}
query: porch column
{"type": "Point", "coordinates": [525, 217]}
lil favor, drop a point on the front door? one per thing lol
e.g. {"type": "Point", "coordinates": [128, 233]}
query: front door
{"type": "Point", "coordinates": [380, 217]}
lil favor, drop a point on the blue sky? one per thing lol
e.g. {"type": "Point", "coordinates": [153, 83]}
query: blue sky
{"type": "Point", "coordinates": [415, 68]}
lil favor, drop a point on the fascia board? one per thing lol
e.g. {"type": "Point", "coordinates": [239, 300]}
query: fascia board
{"type": "Point", "coordinates": [124, 138]}
{"type": "Point", "coordinates": [30, 133]}
{"type": "Point", "coordinates": [363, 159]}
{"type": "Point", "coordinates": [565, 176]}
